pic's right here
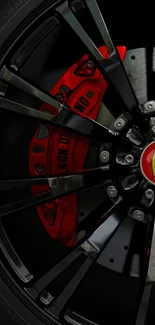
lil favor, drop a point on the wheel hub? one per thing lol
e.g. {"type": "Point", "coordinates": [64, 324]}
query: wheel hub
{"type": "Point", "coordinates": [147, 163]}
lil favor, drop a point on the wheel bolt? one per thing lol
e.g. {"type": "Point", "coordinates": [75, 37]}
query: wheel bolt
{"type": "Point", "coordinates": [64, 90]}
{"type": "Point", "coordinates": [129, 159]}
{"type": "Point", "coordinates": [149, 194]}
{"type": "Point", "coordinates": [90, 64]}
{"type": "Point", "coordinates": [104, 156]}
{"type": "Point", "coordinates": [138, 215]}
{"type": "Point", "coordinates": [59, 97]}
{"type": "Point", "coordinates": [150, 106]}
{"type": "Point", "coordinates": [112, 191]}
{"type": "Point", "coordinates": [119, 123]}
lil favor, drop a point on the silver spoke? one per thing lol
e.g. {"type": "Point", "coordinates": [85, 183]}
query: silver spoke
{"type": "Point", "coordinates": [100, 23]}
{"type": "Point", "coordinates": [24, 85]}
{"type": "Point", "coordinates": [21, 183]}
{"type": "Point", "coordinates": [59, 186]}
{"type": "Point", "coordinates": [65, 119]}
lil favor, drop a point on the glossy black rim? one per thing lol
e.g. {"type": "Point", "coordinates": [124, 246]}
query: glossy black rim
{"type": "Point", "coordinates": [111, 239]}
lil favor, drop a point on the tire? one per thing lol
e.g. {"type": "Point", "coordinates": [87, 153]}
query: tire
{"type": "Point", "coordinates": [12, 310]}
{"type": "Point", "coordinates": [15, 309]}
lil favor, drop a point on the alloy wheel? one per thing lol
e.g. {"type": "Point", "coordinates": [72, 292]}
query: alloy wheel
{"type": "Point", "coordinates": [125, 172]}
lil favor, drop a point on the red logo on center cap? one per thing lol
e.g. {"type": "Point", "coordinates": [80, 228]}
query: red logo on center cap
{"type": "Point", "coordinates": [148, 162]}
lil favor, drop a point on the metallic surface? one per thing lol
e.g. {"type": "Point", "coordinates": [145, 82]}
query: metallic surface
{"type": "Point", "coordinates": [107, 235]}
{"type": "Point", "coordinates": [112, 191]}
{"type": "Point", "coordinates": [135, 65]}
{"type": "Point", "coordinates": [22, 84]}
{"type": "Point", "coordinates": [104, 156]}
{"type": "Point", "coordinates": [112, 67]}
{"type": "Point", "coordinates": [129, 159]}
{"type": "Point", "coordinates": [115, 253]}
{"type": "Point", "coordinates": [138, 215]}
{"type": "Point", "coordinates": [65, 119]}
{"type": "Point", "coordinates": [102, 234]}
{"type": "Point", "coordinates": [148, 107]}
{"type": "Point", "coordinates": [149, 193]}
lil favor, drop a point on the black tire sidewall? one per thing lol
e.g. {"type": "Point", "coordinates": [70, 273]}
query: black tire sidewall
{"type": "Point", "coordinates": [13, 311]}
{"type": "Point", "coordinates": [13, 13]}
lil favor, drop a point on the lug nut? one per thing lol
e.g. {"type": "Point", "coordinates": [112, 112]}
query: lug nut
{"type": "Point", "coordinates": [119, 123]}
{"type": "Point", "coordinates": [138, 215]}
{"type": "Point", "coordinates": [112, 191]}
{"type": "Point", "coordinates": [104, 156]}
{"type": "Point", "coordinates": [149, 194]}
{"type": "Point", "coordinates": [129, 159]}
{"type": "Point", "coordinates": [150, 106]}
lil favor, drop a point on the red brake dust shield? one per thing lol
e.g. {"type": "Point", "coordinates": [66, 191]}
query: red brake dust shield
{"type": "Point", "coordinates": [55, 152]}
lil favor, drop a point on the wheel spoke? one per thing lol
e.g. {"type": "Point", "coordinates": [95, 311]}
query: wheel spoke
{"type": "Point", "coordinates": [6, 185]}
{"type": "Point", "coordinates": [115, 253]}
{"type": "Point", "coordinates": [104, 233]}
{"type": "Point", "coordinates": [137, 263]}
{"type": "Point", "coordinates": [24, 85]}
{"type": "Point", "coordinates": [100, 23]}
{"type": "Point", "coordinates": [43, 282]}
{"type": "Point", "coordinates": [65, 119]}
{"type": "Point", "coordinates": [109, 240]}
{"type": "Point", "coordinates": [143, 310]}
{"type": "Point", "coordinates": [61, 301]}
{"type": "Point", "coordinates": [13, 258]}
{"type": "Point", "coordinates": [59, 186]}
{"type": "Point", "coordinates": [21, 183]}
{"type": "Point", "coordinates": [93, 244]}
{"type": "Point", "coordinates": [151, 261]}
{"type": "Point", "coordinates": [112, 265]}
{"type": "Point", "coordinates": [112, 67]}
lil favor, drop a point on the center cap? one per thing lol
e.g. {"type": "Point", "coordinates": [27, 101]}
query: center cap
{"type": "Point", "coordinates": [147, 162]}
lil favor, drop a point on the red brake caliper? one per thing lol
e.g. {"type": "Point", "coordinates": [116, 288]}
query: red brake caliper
{"type": "Point", "coordinates": [55, 152]}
